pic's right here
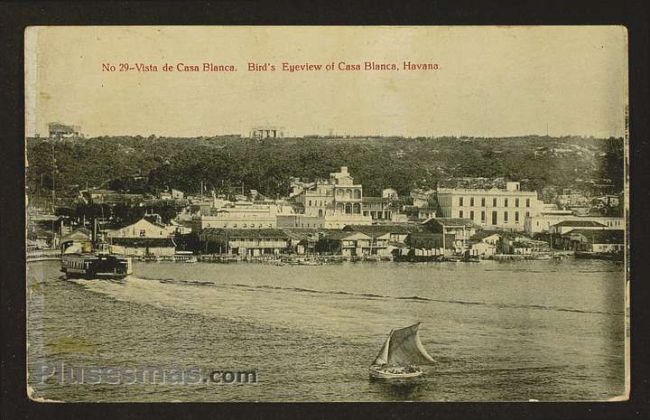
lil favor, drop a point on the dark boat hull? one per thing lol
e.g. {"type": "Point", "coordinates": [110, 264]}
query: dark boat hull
{"type": "Point", "coordinates": [599, 256]}
{"type": "Point", "coordinates": [93, 266]}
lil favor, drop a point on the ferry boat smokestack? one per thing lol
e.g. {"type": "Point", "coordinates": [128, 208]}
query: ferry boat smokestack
{"type": "Point", "coordinates": [94, 231]}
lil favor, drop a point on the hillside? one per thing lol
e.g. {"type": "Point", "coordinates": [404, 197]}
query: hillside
{"type": "Point", "coordinates": [402, 163]}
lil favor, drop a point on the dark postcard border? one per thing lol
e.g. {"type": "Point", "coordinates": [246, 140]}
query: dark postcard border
{"type": "Point", "coordinates": [15, 16]}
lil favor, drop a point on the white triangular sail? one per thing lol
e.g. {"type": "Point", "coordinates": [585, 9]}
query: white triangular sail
{"type": "Point", "coordinates": [403, 347]}
{"type": "Point", "coordinates": [382, 357]}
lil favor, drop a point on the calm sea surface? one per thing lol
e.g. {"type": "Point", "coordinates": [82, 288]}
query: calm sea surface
{"type": "Point", "coordinates": [545, 330]}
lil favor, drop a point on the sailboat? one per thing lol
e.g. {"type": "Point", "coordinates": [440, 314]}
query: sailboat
{"type": "Point", "coordinates": [400, 355]}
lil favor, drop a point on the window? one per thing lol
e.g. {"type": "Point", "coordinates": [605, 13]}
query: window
{"type": "Point", "coordinates": [460, 201]}
{"type": "Point", "coordinates": [483, 217]}
{"type": "Point", "coordinates": [494, 202]}
{"type": "Point", "coordinates": [471, 214]}
{"type": "Point", "coordinates": [310, 203]}
{"type": "Point", "coordinates": [143, 233]}
{"type": "Point", "coordinates": [494, 217]}
{"type": "Point", "coordinates": [516, 217]}
{"type": "Point", "coordinates": [471, 202]}
{"type": "Point", "coordinates": [505, 202]}
{"type": "Point", "coordinates": [528, 202]}
{"type": "Point", "coordinates": [516, 202]}
{"type": "Point", "coordinates": [528, 215]}
{"type": "Point", "coordinates": [482, 201]}
{"type": "Point", "coordinates": [460, 214]}
{"type": "Point", "coordinates": [505, 216]}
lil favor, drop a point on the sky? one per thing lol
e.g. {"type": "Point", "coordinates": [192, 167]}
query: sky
{"type": "Point", "coordinates": [491, 81]}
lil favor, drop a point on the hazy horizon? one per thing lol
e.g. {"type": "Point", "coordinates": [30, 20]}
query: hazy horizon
{"type": "Point", "coordinates": [492, 82]}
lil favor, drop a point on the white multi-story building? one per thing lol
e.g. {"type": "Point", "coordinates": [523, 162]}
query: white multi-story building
{"type": "Point", "coordinates": [337, 201]}
{"type": "Point", "coordinates": [248, 216]}
{"type": "Point", "coordinates": [491, 209]}
{"type": "Point", "coordinates": [338, 195]}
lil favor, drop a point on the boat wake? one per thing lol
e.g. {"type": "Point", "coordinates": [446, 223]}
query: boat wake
{"type": "Point", "coordinates": [353, 295]}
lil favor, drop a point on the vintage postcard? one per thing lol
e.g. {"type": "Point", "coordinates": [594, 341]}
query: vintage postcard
{"type": "Point", "coordinates": [326, 213]}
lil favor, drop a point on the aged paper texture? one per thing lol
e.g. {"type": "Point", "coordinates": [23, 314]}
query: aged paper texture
{"type": "Point", "coordinates": [326, 213]}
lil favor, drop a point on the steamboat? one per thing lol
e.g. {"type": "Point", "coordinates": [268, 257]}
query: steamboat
{"type": "Point", "coordinates": [94, 259]}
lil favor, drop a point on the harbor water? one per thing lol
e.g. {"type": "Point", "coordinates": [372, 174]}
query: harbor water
{"type": "Point", "coordinates": [514, 331]}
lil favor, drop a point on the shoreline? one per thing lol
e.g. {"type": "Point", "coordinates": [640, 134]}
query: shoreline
{"type": "Point", "coordinates": [313, 260]}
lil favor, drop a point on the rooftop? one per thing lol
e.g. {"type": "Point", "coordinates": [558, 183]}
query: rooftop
{"type": "Point", "coordinates": [144, 242]}
{"type": "Point", "coordinates": [579, 223]}
{"type": "Point", "coordinates": [382, 229]}
{"type": "Point", "coordinates": [614, 236]}
{"type": "Point", "coordinates": [452, 222]}
{"type": "Point", "coordinates": [424, 240]}
{"type": "Point", "coordinates": [343, 235]}
{"type": "Point", "coordinates": [482, 234]}
{"type": "Point", "coordinates": [246, 233]}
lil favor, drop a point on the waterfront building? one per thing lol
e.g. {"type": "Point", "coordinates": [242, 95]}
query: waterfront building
{"type": "Point", "coordinates": [521, 245]}
{"type": "Point", "coordinates": [348, 244]}
{"type": "Point", "coordinates": [144, 238]}
{"type": "Point", "coordinates": [611, 240]}
{"type": "Point", "coordinates": [141, 247]}
{"type": "Point", "coordinates": [482, 249]}
{"type": "Point", "coordinates": [385, 238]}
{"type": "Point", "coordinates": [244, 242]}
{"type": "Point", "coordinates": [568, 225]}
{"type": "Point", "coordinates": [495, 208]}
{"type": "Point", "coordinates": [542, 222]}
{"type": "Point", "coordinates": [484, 243]}
{"type": "Point", "coordinates": [457, 232]}
{"type": "Point", "coordinates": [392, 233]}
{"type": "Point", "coordinates": [423, 244]}
{"type": "Point", "coordinates": [303, 241]}
{"type": "Point", "coordinates": [143, 228]}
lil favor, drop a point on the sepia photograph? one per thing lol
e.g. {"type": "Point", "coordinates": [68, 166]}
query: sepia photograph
{"type": "Point", "coordinates": [327, 214]}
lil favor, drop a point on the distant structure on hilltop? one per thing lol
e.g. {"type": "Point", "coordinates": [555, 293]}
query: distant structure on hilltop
{"type": "Point", "coordinates": [61, 131]}
{"type": "Point", "coordinates": [266, 132]}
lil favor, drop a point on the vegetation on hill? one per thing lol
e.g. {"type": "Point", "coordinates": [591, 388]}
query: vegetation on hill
{"type": "Point", "coordinates": [148, 165]}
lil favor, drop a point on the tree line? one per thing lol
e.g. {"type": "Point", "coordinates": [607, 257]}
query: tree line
{"type": "Point", "coordinates": [150, 165]}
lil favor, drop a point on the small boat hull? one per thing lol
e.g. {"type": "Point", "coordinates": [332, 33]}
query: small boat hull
{"type": "Point", "coordinates": [378, 372]}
